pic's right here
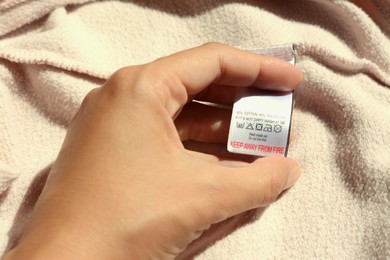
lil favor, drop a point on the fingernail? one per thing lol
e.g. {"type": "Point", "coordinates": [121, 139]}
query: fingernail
{"type": "Point", "coordinates": [293, 176]}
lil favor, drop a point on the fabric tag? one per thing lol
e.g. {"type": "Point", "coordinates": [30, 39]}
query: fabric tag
{"type": "Point", "coordinates": [261, 120]}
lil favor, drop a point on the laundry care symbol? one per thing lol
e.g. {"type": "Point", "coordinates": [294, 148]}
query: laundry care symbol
{"type": "Point", "coordinates": [263, 127]}
{"type": "Point", "coordinates": [268, 128]}
{"type": "Point", "coordinates": [249, 126]}
{"type": "Point", "coordinates": [259, 127]}
{"type": "Point", "coordinates": [240, 124]}
{"type": "Point", "coordinates": [278, 128]}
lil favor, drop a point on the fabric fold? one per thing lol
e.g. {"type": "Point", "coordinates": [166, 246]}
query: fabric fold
{"type": "Point", "coordinates": [17, 13]}
{"type": "Point", "coordinates": [53, 52]}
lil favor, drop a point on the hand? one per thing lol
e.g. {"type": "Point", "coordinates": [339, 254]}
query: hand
{"type": "Point", "coordinates": [123, 186]}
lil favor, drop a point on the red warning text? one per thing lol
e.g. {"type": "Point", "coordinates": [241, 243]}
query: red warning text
{"type": "Point", "coordinates": [257, 147]}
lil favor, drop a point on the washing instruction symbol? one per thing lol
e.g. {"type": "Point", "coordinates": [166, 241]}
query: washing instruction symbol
{"type": "Point", "coordinates": [278, 128]}
{"type": "Point", "coordinates": [249, 126]}
{"type": "Point", "coordinates": [240, 124]}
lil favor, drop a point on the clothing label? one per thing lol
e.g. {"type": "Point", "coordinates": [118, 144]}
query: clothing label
{"type": "Point", "coordinates": [261, 120]}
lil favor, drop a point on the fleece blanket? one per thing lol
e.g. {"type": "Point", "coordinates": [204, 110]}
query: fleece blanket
{"type": "Point", "coordinates": [52, 52]}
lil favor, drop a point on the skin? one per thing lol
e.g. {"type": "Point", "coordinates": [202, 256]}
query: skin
{"type": "Point", "coordinates": [123, 185]}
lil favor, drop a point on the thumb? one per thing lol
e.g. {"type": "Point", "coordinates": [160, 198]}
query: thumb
{"type": "Point", "coordinates": [257, 184]}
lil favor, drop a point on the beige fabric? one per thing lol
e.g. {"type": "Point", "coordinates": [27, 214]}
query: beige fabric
{"type": "Point", "coordinates": [53, 52]}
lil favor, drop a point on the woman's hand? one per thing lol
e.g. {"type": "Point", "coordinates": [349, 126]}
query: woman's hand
{"type": "Point", "coordinates": [124, 187]}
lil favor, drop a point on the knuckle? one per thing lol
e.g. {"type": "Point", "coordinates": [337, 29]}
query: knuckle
{"type": "Point", "coordinates": [121, 81]}
{"type": "Point", "coordinates": [150, 83]}
{"type": "Point", "coordinates": [91, 95]}
{"type": "Point", "coordinates": [162, 81]}
{"type": "Point", "coordinates": [213, 45]}
{"type": "Point", "coordinates": [89, 99]}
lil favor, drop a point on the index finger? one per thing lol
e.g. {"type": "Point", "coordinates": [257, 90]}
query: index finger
{"type": "Point", "coordinates": [216, 63]}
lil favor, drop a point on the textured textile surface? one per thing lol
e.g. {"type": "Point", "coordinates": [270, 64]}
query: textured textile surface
{"type": "Point", "coordinates": [52, 52]}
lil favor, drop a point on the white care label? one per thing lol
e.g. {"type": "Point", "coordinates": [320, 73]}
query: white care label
{"type": "Point", "coordinates": [261, 120]}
